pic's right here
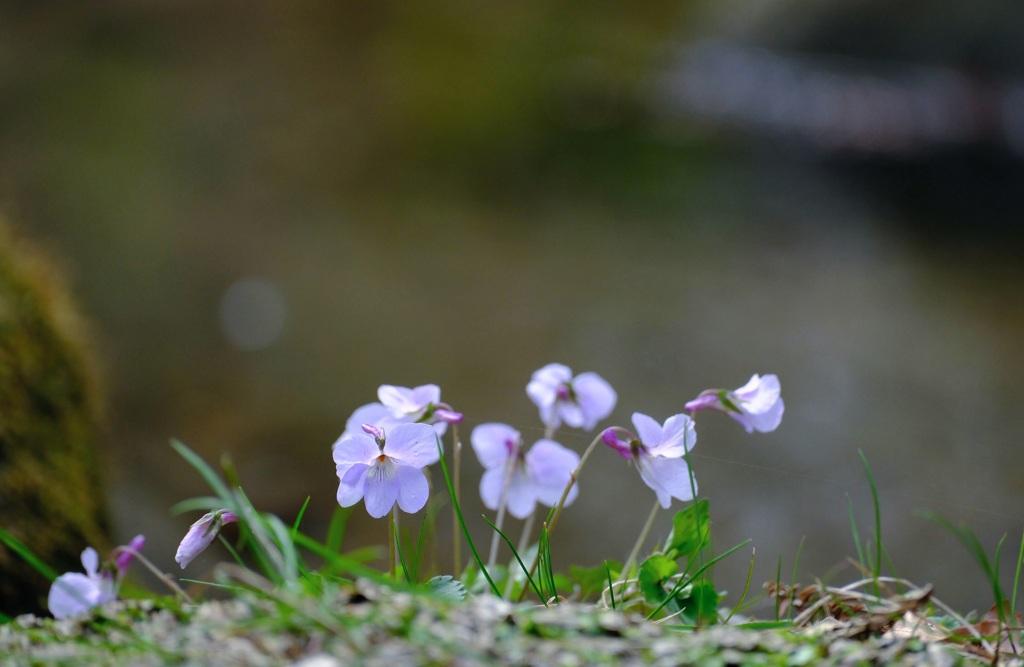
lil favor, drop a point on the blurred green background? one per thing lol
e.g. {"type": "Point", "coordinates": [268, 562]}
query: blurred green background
{"type": "Point", "coordinates": [268, 209]}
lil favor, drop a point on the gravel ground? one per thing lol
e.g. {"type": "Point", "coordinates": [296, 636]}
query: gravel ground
{"type": "Point", "coordinates": [376, 626]}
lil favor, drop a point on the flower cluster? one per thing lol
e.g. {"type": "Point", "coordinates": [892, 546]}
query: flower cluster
{"type": "Point", "coordinates": [381, 455]}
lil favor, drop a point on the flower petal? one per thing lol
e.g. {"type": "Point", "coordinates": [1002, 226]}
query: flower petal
{"type": "Point", "coordinates": [371, 413]}
{"type": "Point", "coordinates": [90, 561]}
{"type": "Point", "coordinates": [543, 391]}
{"type": "Point", "coordinates": [381, 489]}
{"type": "Point", "coordinates": [764, 422]}
{"type": "Point", "coordinates": [413, 489]}
{"type": "Point", "coordinates": [550, 465]}
{"type": "Point", "coordinates": [669, 478]}
{"type": "Point", "coordinates": [678, 436]}
{"type": "Point", "coordinates": [571, 413]}
{"type": "Point", "coordinates": [648, 430]}
{"type": "Point", "coordinates": [356, 448]}
{"type": "Point", "coordinates": [595, 396]}
{"type": "Point", "coordinates": [522, 495]}
{"type": "Point", "coordinates": [493, 443]}
{"type": "Point", "coordinates": [490, 487]}
{"type": "Point", "coordinates": [353, 484]}
{"type": "Point", "coordinates": [73, 594]}
{"type": "Point", "coordinates": [412, 444]}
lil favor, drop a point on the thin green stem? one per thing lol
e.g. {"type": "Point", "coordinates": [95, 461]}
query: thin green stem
{"type": "Point", "coordinates": [557, 509]}
{"type": "Point", "coordinates": [462, 525]}
{"type": "Point", "coordinates": [524, 544]}
{"type": "Point", "coordinates": [1016, 578]}
{"type": "Point", "coordinates": [457, 473]}
{"type": "Point", "coordinates": [499, 519]}
{"type": "Point", "coordinates": [631, 560]}
{"type": "Point", "coordinates": [391, 549]}
{"type": "Point", "coordinates": [573, 477]}
{"type": "Point", "coordinates": [398, 546]}
{"type": "Point", "coordinates": [524, 539]}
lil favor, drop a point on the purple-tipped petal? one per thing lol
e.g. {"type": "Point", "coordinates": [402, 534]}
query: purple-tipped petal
{"type": "Point", "coordinates": [621, 446]}
{"type": "Point", "coordinates": [448, 416]}
{"type": "Point", "coordinates": [124, 559]}
{"type": "Point", "coordinates": [201, 534]}
{"type": "Point", "coordinates": [707, 400]}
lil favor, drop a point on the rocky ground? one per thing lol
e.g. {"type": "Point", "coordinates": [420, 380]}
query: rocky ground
{"type": "Point", "coordinates": [376, 626]}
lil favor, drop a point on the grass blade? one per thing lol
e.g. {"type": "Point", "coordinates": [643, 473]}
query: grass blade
{"type": "Point", "coordinates": [462, 522]}
{"type": "Point", "coordinates": [519, 560]}
{"type": "Point", "coordinates": [26, 555]}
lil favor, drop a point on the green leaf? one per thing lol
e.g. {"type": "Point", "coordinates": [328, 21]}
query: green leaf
{"type": "Point", "coordinates": [446, 587]}
{"type": "Point", "coordinates": [691, 531]}
{"type": "Point", "coordinates": [593, 580]}
{"type": "Point", "coordinates": [654, 573]}
{"type": "Point", "coordinates": [700, 603]}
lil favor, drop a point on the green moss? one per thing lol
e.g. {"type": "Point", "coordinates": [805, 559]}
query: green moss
{"type": "Point", "coordinates": [51, 492]}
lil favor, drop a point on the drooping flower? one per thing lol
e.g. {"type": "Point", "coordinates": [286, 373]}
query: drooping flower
{"type": "Point", "coordinates": [382, 466]}
{"type": "Point", "coordinates": [201, 535]}
{"type": "Point", "coordinates": [402, 405]}
{"type": "Point", "coordinates": [579, 401]}
{"type": "Point", "coordinates": [756, 405]}
{"type": "Point", "coordinates": [537, 476]}
{"type": "Point", "coordinates": [658, 453]}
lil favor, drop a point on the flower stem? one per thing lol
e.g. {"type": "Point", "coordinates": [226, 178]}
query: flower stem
{"type": "Point", "coordinates": [557, 509]}
{"type": "Point", "coordinates": [392, 536]}
{"type": "Point", "coordinates": [524, 543]}
{"type": "Point", "coordinates": [631, 560]}
{"type": "Point", "coordinates": [499, 519]}
{"type": "Point", "coordinates": [456, 474]}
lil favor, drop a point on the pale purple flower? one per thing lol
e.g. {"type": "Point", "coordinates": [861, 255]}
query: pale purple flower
{"type": "Point", "coordinates": [201, 535]}
{"type": "Point", "coordinates": [658, 453]}
{"type": "Point", "coordinates": [382, 466]}
{"type": "Point", "coordinates": [74, 593]}
{"type": "Point", "coordinates": [402, 405]}
{"type": "Point", "coordinates": [537, 476]}
{"type": "Point", "coordinates": [756, 405]}
{"type": "Point", "coordinates": [579, 401]}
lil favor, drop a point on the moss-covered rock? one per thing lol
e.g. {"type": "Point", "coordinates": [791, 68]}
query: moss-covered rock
{"type": "Point", "coordinates": [51, 493]}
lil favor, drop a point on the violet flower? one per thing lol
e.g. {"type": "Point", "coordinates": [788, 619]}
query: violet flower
{"type": "Point", "coordinates": [658, 453]}
{"type": "Point", "coordinates": [381, 466]}
{"type": "Point", "coordinates": [537, 476]}
{"type": "Point", "coordinates": [579, 401]}
{"type": "Point", "coordinates": [201, 535]}
{"type": "Point", "coordinates": [74, 593]}
{"type": "Point", "coordinates": [756, 405]}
